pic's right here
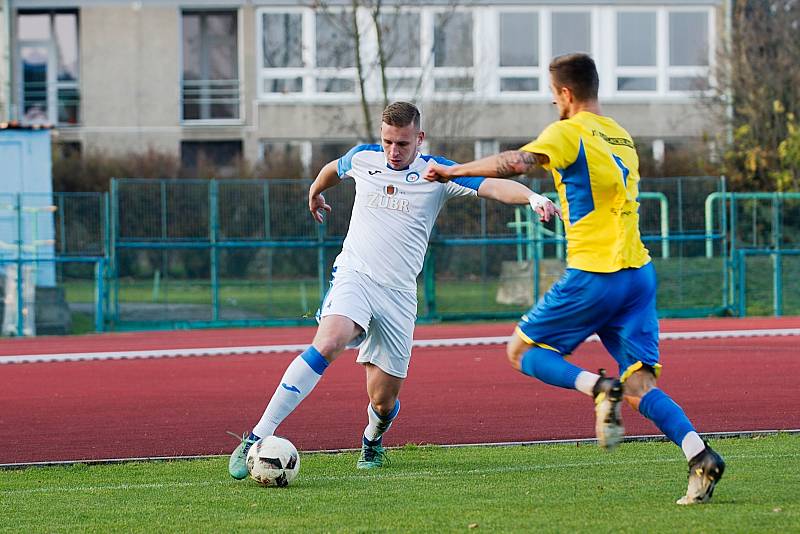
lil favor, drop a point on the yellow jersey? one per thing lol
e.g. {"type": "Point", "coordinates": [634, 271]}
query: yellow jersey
{"type": "Point", "coordinates": [596, 173]}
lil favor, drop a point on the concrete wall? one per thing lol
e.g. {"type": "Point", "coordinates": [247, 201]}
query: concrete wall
{"type": "Point", "coordinates": [130, 78]}
{"type": "Point", "coordinates": [479, 120]}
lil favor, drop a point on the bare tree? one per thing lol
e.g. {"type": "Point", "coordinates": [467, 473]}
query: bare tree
{"type": "Point", "coordinates": [393, 45]}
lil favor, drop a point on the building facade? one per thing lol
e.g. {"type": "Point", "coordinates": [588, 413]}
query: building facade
{"type": "Point", "coordinates": [282, 82]}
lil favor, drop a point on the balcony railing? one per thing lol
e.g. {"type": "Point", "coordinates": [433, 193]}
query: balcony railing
{"type": "Point", "coordinates": [204, 100]}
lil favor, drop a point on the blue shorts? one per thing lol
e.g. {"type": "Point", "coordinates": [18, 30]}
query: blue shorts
{"type": "Point", "coordinates": [619, 307]}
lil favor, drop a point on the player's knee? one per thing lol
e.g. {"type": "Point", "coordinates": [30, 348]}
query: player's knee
{"type": "Point", "coordinates": [329, 347]}
{"type": "Point", "coordinates": [514, 354]}
{"type": "Point", "coordinates": [383, 406]}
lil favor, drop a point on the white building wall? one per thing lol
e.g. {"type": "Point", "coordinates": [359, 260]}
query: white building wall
{"type": "Point", "coordinates": [130, 77]}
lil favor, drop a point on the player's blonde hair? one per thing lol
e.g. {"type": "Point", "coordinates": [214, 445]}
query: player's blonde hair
{"type": "Point", "coordinates": [401, 114]}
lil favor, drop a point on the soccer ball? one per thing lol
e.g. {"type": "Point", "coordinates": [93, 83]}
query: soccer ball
{"type": "Point", "coordinates": [273, 461]}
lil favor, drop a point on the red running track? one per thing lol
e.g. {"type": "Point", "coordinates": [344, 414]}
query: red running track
{"type": "Point", "coordinates": [182, 406]}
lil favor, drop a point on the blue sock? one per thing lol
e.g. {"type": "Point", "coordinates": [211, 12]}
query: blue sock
{"type": "Point", "coordinates": [550, 367]}
{"type": "Point", "coordinates": [253, 437]}
{"type": "Point", "coordinates": [666, 414]}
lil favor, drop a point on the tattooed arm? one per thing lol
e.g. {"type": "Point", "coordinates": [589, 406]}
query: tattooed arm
{"type": "Point", "coordinates": [503, 165]}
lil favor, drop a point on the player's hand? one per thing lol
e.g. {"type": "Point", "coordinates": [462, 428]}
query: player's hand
{"type": "Point", "coordinates": [544, 207]}
{"type": "Point", "coordinates": [436, 172]}
{"type": "Point", "coordinates": [317, 206]}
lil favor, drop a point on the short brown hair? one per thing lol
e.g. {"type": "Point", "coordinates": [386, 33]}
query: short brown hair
{"type": "Point", "coordinates": [577, 72]}
{"type": "Point", "coordinates": [401, 114]}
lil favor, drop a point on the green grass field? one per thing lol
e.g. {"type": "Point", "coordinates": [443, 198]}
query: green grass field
{"type": "Point", "coordinates": [547, 488]}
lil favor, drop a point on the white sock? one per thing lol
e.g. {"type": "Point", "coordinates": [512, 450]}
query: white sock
{"type": "Point", "coordinates": [692, 445]}
{"type": "Point", "coordinates": [297, 382]}
{"type": "Point", "coordinates": [585, 382]}
{"type": "Point", "coordinates": [378, 425]}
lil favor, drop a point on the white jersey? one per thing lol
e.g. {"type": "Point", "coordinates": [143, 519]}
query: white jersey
{"type": "Point", "coordinates": [393, 215]}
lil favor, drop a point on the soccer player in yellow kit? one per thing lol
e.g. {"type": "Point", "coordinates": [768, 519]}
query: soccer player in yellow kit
{"type": "Point", "coordinates": [609, 287]}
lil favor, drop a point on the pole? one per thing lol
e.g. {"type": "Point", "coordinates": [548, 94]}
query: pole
{"type": "Point", "coordinates": [99, 315]}
{"type": "Point", "coordinates": [114, 231]}
{"type": "Point", "coordinates": [20, 294]}
{"type": "Point", "coordinates": [726, 280]}
{"type": "Point", "coordinates": [777, 257]}
{"type": "Point", "coordinates": [213, 224]}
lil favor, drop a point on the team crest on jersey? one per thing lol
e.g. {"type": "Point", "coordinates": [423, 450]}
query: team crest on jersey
{"type": "Point", "coordinates": [389, 190]}
{"type": "Point", "coordinates": [412, 177]}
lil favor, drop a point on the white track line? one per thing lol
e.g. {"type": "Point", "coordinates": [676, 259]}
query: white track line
{"type": "Point", "coordinates": [272, 349]}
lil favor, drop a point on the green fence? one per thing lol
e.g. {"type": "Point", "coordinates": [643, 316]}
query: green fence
{"type": "Point", "coordinates": [764, 251]}
{"type": "Point", "coordinates": [193, 253]}
{"type": "Point", "coordinates": [187, 253]}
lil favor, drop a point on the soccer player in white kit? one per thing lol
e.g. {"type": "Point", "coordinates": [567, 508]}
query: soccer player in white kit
{"type": "Point", "coordinates": [372, 301]}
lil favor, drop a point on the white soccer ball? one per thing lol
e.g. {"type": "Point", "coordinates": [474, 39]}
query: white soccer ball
{"type": "Point", "coordinates": [273, 461]}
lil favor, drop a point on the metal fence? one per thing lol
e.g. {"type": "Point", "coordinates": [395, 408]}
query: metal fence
{"type": "Point", "coordinates": [197, 252]}
{"type": "Point", "coordinates": [192, 253]}
{"type": "Point", "coordinates": [53, 257]}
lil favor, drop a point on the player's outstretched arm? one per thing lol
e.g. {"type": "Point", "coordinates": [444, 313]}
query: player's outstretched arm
{"type": "Point", "coordinates": [510, 192]}
{"type": "Point", "coordinates": [328, 177]}
{"type": "Point", "coordinates": [502, 165]}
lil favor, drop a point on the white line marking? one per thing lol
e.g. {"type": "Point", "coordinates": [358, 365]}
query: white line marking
{"type": "Point", "coordinates": [420, 343]}
{"type": "Point", "coordinates": [390, 475]}
{"type": "Point", "coordinates": [573, 441]}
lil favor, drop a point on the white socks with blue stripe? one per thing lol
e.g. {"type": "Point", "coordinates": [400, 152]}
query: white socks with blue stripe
{"type": "Point", "coordinates": [378, 424]}
{"type": "Point", "coordinates": [299, 379]}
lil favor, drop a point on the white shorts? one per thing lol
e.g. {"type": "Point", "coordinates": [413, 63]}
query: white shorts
{"type": "Point", "coordinates": [386, 315]}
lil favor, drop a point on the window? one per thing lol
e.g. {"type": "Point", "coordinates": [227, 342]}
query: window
{"type": "Point", "coordinates": [402, 40]}
{"type": "Point", "coordinates": [491, 51]}
{"type": "Point", "coordinates": [210, 66]}
{"type": "Point", "coordinates": [688, 51]}
{"type": "Point", "coordinates": [282, 51]}
{"type": "Point", "coordinates": [636, 51]}
{"type": "Point", "coordinates": [48, 70]}
{"type": "Point", "coordinates": [221, 157]}
{"type": "Point", "coordinates": [663, 51]}
{"type": "Point", "coordinates": [306, 52]}
{"type": "Point", "coordinates": [519, 65]}
{"type": "Point", "coordinates": [572, 32]}
{"type": "Point", "coordinates": [335, 53]}
{"type": "Point", "coordinates": [453, 52]}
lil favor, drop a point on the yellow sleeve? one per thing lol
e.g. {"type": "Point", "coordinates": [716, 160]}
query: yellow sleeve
{"type": "Point", "coordinates": [558, 142]}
